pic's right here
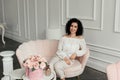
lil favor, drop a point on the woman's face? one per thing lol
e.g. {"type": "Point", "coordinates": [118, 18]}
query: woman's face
{"type": "Point", "coordinates": [73, 28]}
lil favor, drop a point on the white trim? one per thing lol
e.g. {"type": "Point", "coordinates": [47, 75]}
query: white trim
{"type": "Point", "coordinates": [62, 13]}
{"type": "Point", "coordinates": [81, 17]}
{"type": "Point", "coordinates": [101, 21]}
{"type": "Point", "coordinates": [19, 29]}
{"type": "Point", "coordinates": [47, 14]}
{"type": "Point", "coordinates": [94, 13]}
{"type": "Point", "coordinates": [59, 14]}
{"type": "Point", "coordinates": [36, 19]}
{"type": "Point", "coordinates": [28, 19]}
{"type": "Point", "coordinates": [105, 50]}
{"type": "Point", "coordinates": [102, 11]}
{"type": "Point", "coordinates": [117, 16]}
{"type": "Point", "coordinates": [25, 19]}
{"type": "Point", "coordinates": [108, 48]}
{"type": "Point", "coordinates": [3, 11]}
{"type": "Point", "coordinates": [105, 61]}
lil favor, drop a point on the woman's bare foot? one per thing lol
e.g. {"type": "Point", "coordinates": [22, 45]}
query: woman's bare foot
{"type": "Point", "coordinates": [63, 79]}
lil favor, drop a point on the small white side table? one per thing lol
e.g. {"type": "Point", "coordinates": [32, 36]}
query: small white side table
{"type": "Point", "coordinates": [17, 73]}
{"type": "Point", "coordinates": [3, 32]}
{"type": "Point", "coordinates": [7, 63]}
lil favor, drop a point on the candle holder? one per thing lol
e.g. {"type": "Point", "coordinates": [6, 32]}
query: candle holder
{"type": "Point", "coordinates": [47, 71]}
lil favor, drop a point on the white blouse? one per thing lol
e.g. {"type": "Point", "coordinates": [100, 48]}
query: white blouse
{"type": "Point", "coordinates": [68, 46]}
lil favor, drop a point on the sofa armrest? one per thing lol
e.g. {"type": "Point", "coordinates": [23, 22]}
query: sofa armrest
{"type": "Point", "coordinates": [83, 59]}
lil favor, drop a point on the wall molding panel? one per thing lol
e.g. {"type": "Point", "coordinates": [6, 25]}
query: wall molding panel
{"type": "Point", "coordinates": [105, 50]}
{"type": "Point", "coordinates": [91, 21]}
{"type": "Point", "coordinates": [98, 59]}
{"type": "Point", "coordinates": [26, 19]}
{"type": "Point", "coordinates": [117, 17]}
{"type": "Point", "coordinates": [49, 14]}
{"type": "Point", "coordinates": [93, 17]}
{"type": "Point", "coordinates": [100, 55]}
{"type": "Point", "coordinates": [17, 31]}
{"type": "Point", "coordinates": [29, 28]}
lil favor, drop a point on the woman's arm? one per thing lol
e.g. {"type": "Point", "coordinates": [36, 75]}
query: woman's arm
{"type": "Point", "coordinates": [82, 48]}
{"type": "Point", "coordinates": [60, 52]}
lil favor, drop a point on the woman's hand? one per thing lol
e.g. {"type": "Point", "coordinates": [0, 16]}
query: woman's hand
{"type": "Point", "coordinates": [67, 60]}
{"type": "Point", "coordinates": [73, 56]}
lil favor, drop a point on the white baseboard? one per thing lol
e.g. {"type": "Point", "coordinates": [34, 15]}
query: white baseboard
{"type": "Point", "coordinates": [98, 65]}
{"type": "Point", "coordinates": [16, 38]}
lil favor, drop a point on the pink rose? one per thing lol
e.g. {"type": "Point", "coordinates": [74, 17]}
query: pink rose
{"type": "Point", "coordinates": [43, 60]}
{"type": "Point", "coordinates": [36, 65]}
{"type": "Point", "coordinates": [42, 65]}
{"type": "Point", "coordinates": [35, 62]}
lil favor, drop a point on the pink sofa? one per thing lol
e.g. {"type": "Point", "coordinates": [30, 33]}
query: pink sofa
{"type": "Point", "coordinates": [48, 48]}
{"type": "Point", "coordinates": [113, 71]}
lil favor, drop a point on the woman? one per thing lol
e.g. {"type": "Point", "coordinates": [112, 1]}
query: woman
{"type": "Point", "coordinates": [71, 45]}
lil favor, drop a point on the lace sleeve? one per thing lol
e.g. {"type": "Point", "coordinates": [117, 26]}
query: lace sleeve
{"type": "Point", "coordinates": [82, 48]}
{"type": "Point", "coordinates": [60, 51]}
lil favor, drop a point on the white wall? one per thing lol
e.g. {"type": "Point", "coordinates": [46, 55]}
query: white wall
{"type": "Point", "coordinates": [104, 42]}
{"type": "Point", "coordinates": [0, 15]}
{"type": "Point", "coordinates": [28, 20]}
{"type": "Point", "coordinates": [0, 11]}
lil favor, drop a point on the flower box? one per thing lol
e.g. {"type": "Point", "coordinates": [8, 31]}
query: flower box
{"type": "Point", "coordinates": [34, 66]}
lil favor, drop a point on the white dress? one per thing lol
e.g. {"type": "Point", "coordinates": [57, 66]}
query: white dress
{"type": "Point", "coordinates": [68, 46]}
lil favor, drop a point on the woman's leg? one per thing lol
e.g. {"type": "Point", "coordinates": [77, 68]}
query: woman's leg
{"type": "Point", "coordinates": [52, 62]}
{"type": "Point", "coordinates": [63, 79]}
{"type": "Point", "coordinates": [59, 68]}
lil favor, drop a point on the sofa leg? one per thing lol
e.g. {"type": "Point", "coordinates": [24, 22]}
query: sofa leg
{"type": "Point", "coordinates": [78, 77]}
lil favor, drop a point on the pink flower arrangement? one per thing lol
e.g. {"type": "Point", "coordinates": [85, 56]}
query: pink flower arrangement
{"type": "Point", "coordinates": [35, 62]}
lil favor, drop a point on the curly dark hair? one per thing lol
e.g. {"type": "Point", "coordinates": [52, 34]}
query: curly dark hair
{"type": "Point", "coordinates": [80, 26]}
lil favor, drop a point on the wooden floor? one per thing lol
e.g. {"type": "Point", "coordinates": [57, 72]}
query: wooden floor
{"type": "Point", "coordinates": [88, 74]}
